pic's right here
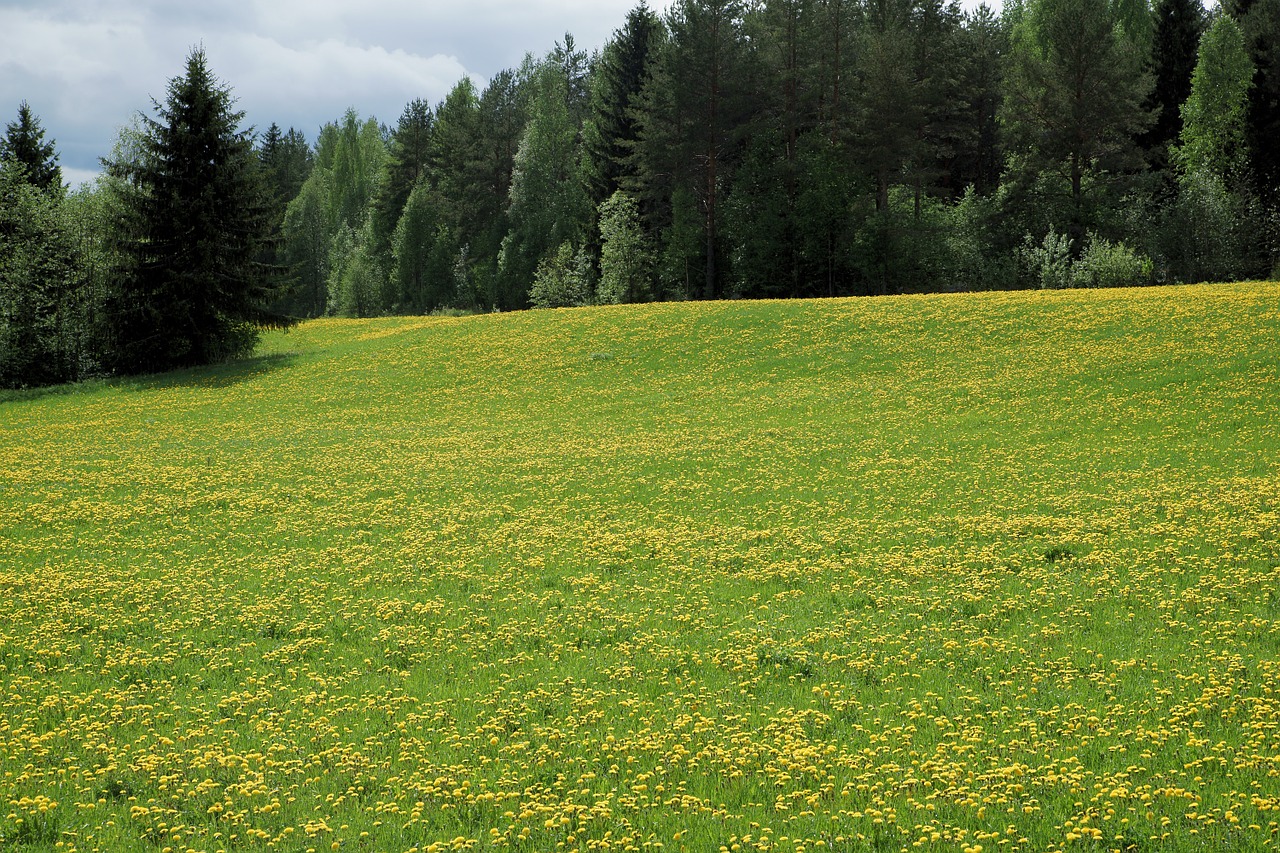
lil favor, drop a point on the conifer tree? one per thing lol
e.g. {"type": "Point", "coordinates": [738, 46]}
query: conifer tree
{"type": "Point", "coordinates": [1074, 93]}
{"type": "Point", "coordinates": [697, 106]}
{"type": "Point", "coordinates": [24, 144]}
{"type": "Point", "coordinates": [1260, 22]}
{"type": "Point", "coordinates": [612, 129]}
{"type": "Point", "coordinates": [405, 164]}
{"type": "Point", "coordinates": [194, 223]}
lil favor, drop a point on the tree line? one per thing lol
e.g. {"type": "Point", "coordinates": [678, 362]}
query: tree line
{"type": "Point", "coordinates": [726, 149]}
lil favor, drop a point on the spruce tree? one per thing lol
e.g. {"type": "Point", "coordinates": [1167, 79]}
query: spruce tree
{"type": "Point", "coordinates": [195, 220]}
{"type": "Point", "coordinates": [24, 144]}
{"type": "Point", "coordinates": [610, 134]}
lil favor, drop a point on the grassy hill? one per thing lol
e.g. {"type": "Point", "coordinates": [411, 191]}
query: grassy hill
{"type": "Point", "coordinates": [984, 572]}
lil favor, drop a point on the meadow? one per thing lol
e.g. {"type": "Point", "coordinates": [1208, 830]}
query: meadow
{"type": "Point", "coordinates": [992, 572]}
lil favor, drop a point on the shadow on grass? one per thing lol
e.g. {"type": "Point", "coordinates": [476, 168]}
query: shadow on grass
{"type": "Point", "coordinates": [222, 375]}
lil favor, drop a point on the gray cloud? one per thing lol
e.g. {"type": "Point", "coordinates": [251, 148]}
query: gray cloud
{"type": "Point", "coordinates": [87, 68]}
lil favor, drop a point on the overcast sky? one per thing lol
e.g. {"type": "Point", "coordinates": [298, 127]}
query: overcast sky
{"type": "Point", "coordinates": [86, 66]}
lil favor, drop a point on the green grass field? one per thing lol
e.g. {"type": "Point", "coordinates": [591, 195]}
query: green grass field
{"type": "Point", "coordinates": [993, 572]}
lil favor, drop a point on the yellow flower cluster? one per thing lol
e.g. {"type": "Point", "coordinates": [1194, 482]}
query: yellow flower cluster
{"type": "Point", "coordinates": [976, 573]}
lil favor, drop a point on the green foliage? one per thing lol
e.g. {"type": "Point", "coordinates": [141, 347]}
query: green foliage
{"type": "Point", "coordinates": [698, 106]}
{"type": "Point", "coordinates": [611, 130]}
{"type": "Point", "coordinates": [680, 253]}
{"type": "Point", "coordinates": [1213, 117]}
{"type": "Point", "coordinates": [404, 167]}
{"type": "Point", "coordinates": [1107, 264]}
{"type": "Point", "coordinates": [287, 161]}
{"type": "Point", "coordinates": [195, 218]}
{"type": "Point", "coordinates": [760, 222]}
{"type": "Point", "coordinates": [44, 323]}
{"type": "Point", "coordinates": [358, 159]}
{"type": "Point", "coordinates": [626, 260]}
{"type": "Point", "coordinates": [1047, 262]}
{"type": "Point", "coordinates": [423, 251]}
{"type": "Point", "coordinates": [1259, 21]}
{"type": "Point", "coordinates": [308, 232]}
{"type": "Point", "coordinates": [1213, 232]}
{"type": "Point", "coordinates": [1178, 27]}
{"type": "Point", "coordinates": [1075, 89]}
{"type": "Point", "coordinates": [825, 198]}
{"type": "Point", "coordinates": [357, 282]}
{"type": "Point", "coordinates": [562, 280]}
{"type": "Point", "coordinates": [548, 204]}
{"type": "Point", "coordinates": [1050, 263]}
{"type": "Point", "coordinates": [971, 257]}
{"type": "Point", "coordinates": [24, 145]}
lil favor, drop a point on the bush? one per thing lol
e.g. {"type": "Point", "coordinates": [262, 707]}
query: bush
{"type": "Point", "coordinates": [1107, 264]}
{"type": "Point", "coordinates": [1212, 232]}
{"type": "Point", "coordinates": [561, 280]}
{"type": "Point", "coordinates": [1048, 263]}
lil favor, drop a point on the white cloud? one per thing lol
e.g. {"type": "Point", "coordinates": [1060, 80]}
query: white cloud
{"type": "Point", "coordinates": [87, 68]}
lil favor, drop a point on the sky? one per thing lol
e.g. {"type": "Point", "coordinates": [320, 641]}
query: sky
{"type": "Point", "coordinates": [87, 66]}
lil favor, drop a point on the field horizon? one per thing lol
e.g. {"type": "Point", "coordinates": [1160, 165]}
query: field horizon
{"type": "Point", "coordinates": [972, 572]}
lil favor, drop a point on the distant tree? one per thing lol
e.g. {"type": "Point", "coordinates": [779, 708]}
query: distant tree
{"type": "Point", "coordinates": [612, 130]}
{"type": "Point", "coordinates": [405, 165]}
{"type": "Point", "coordinates": [1212, 140]}
{"type": "Point", "coordinates": [1178, 27]}
{"type": "Point", "coordinates": [24, 144]}
{"type": "Point", "coordinates": [889, 96]}
{"type": "Point", "coordinates": [308, 230]}
{"type": "Point", "coordinates": [977, 158]}
{"type": "Point", "coordinates": [561, 279]}
{"type": "Point", "coordinates": [626, 259]}
{"type": "Point", "coordinates": [357, 167]}
{"type": "Point", "coordinates": [502, 113]}
{"type": "Point", "coordinates": [423, 253]}
{"type": "Point", "coordinates": [286, 159]}
{"type": "Point", "coordinates": [38, 268]}
{"type": "Point", "coordinates": [195, 217]}
{"type": "Point", "coordinates": [1259, 21]}
{"type": "Point", "coordinates": [1074, 93]}
{"type": "Point", "coordinates": [697, 106]}
{"type": "Point", "coordinates": [548, 206]}
{"type": "Point", "coordinates": [286, 163]}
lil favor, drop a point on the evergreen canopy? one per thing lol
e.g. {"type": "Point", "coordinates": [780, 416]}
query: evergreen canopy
{"type": "Point", "coordinates": [24, 144]}
{"type": "Point", "coordinates": [196, 219]}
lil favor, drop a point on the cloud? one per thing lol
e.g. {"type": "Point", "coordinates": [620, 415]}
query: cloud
{"type": "Point", "coordinates": [87, 68]}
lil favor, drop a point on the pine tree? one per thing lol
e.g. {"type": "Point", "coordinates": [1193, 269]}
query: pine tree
{"type": "Point", "coordinates": [696, 108]}
{"type": "Point", "coordinates": [24, 144]}
{"type": "Point", "coordinates": [978, 158]}
{"type": "Point", "coordinates": [194, 223]}
{"type": "Point", "coordinates": [1074, 91]}
{"type": "Point", "coordinates": [286, 160]}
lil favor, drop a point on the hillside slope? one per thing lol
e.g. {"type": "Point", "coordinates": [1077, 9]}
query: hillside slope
{"type": "Point", "coordinates": [995, 570]}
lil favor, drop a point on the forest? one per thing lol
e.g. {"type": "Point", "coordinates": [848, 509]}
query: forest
{"type": "Point", "coordinates": [724, 149]}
